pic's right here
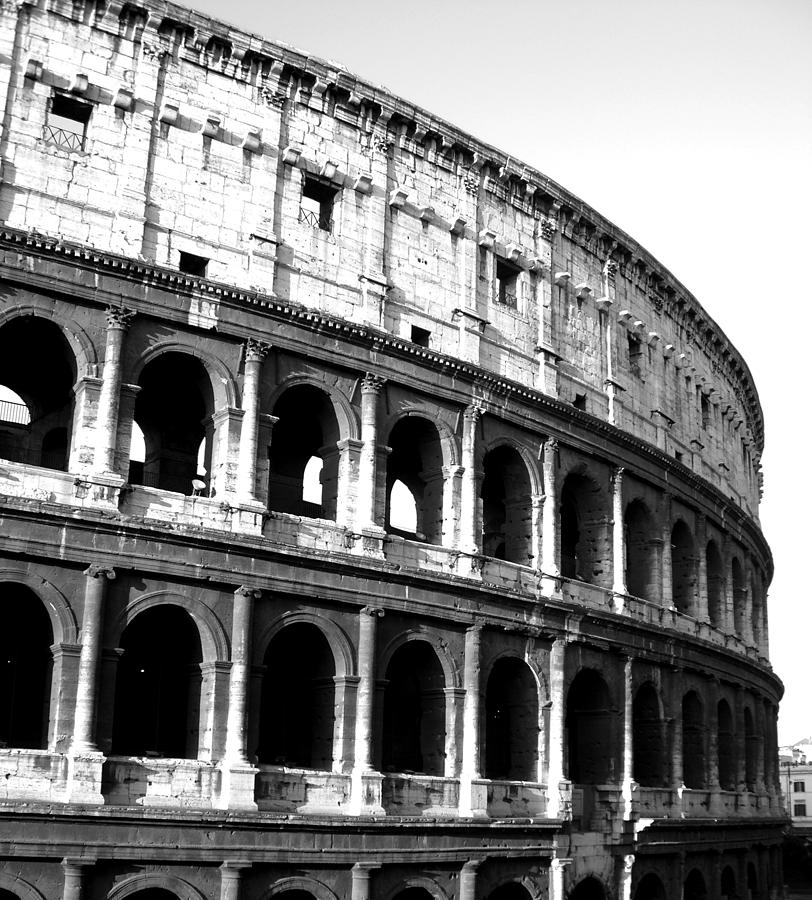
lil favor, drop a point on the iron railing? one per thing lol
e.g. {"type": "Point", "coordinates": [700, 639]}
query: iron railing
{"type": "Point", "coordinates": [320, 220]}
{"type": "Point", "coordinates": [66, 140]}
{"type": "Point", "coordinates": [14, 413]}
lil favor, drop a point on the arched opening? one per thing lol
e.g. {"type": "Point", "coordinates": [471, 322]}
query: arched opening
{"type": "Point", "coordinates": [414, 711]}
{"type": "Point", "coordinates": [511, 722]}
{"type": "Point", "coordinates": [739, 596]}
{"type": "Point", "coordinates": [750, 751]}
{"type": "Point", "coordinates": [683, 568]}
{"type": "Point", "coordinates": [752, 882]}
{"type": "Point", "coordinates": [726, 746]}
{"type": "Point", "coordinates": [402, 509]}
{"type": "Point", "coordinates": [304, 454]}
{"type": "Point", "coordinates": [154, 893]}
{"type": "Point", "coordinates": [694, 768]}
{"type": "Point", "coordinates": [648, 738]}
{"type": "Point", "coordinates": [7, 895]}
{"type": "Point", "coordinates": [25, 668]}
{"type": "Point", "coordinates": [415, 893]}
{"type": "Point", "coordinates": [297, 712]}
{"type": "Point", "coordinates": [693, 888]}
{"type": "Point", "coordinates": [650, 888]}
{"type": "Point", "coordinates": [641, 552]}
{"type": "Point", "coordinates": [728, 884]}
{"type": "Point", "coordinates": [174, 411]}
{"type": "Point", "coordinates": [510, 891]}
{"type": "Point", "coordinates": [585, 535]}
{"type": "Point", "coordinates": [757, 602]}
{"type": "Point", "coordinates": [506, 509]}
{"type": "Point", "coordinates": [158, 681]}
{"type": "Point", "coordinates": [590, 726]}
{"type": "Point", "coordinates": [416, 460]}
{"type": "Point", "coordinates": [716, 585]}
{"type": "Point", "coordinates": [38, 372]}
{"type": "Point", "coordinates": [588, 889]}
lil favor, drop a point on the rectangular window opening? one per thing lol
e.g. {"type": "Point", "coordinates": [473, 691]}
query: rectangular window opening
{"type": "Point", "coordinates": [67, 122]}
{"type": "Point", "coordinates": [420, 336]}
{"type": "Point", "coordinates": [191, 264]}
{"type": "Point", "coordinates": [579, 402]}
{"type": "Point", "coordinates": [507, 283]}
{"type": "Point", "coordinates": [678, 455]}
{"type": "Point", "coordinates": [318, 200]}
{"type": "Point", "coordinates": [799, 809]}
{"type": "Point", "coordinates": [635, 354]}
{"type": "Point", "coordinates": [799, 787]}
{"type": "Point", "coordinates": [704, 405]}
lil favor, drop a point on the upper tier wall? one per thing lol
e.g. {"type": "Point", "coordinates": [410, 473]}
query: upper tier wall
{"type": "Point", "coordinates": [193, 138]}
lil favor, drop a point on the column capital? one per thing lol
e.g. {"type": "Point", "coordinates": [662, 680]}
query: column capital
{"type": "Point", "coordinates": [550, 445]}
{"type": "Point", "coordinates": [471, 865]}
{"type": "Point", "coordinates": [473, 413]}
{"type": "Point", "coordinates": [256, 351]}
{"type": "Point", "coordinates": [361, 868]}
{"type": "Point", "coordinates": [617, 473]}
{"type": "Point", "coordinates": [99, 570]}
{"type": "Point", "coordinates": [247, 591]}
{"type": "Point", "coordinates": [119, 317]}
{"type": "Point", "coordinates": [235, 866]}
{"type": "Point", "coordinates": [373, 611]}
{"type": "Point", "coordinates": [371, 383]}
{"type": "Point", "coordinates": [560, 862]}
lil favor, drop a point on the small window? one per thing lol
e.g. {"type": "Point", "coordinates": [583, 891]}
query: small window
{"type": "Point", "coordinates": [799, 787]}
{"type": "Point", "coordinates": [635, 354]}
{"type": "Point", "coordinates": [67, 122]}
{"type": "Point", "coordinates": [420, 336]}
{"type": "Point", "coordinates": [799, 809]}
{"type": "Point", "coordinates": [678, 455]}
{"type": "Point", "coordinates": [191, 264]}
{"type": "Point", "coordinates": [580, 402]}
{"type": "Point", "coordinates": [507, 283]}
{"type": "Point", "coordinates": [318, 200]}
{"type": "Point", "coordinates": [704, 406]}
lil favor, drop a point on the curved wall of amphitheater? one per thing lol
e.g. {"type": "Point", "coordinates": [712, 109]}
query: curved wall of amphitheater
{"type": "Point", "coordinates": [378, 520]}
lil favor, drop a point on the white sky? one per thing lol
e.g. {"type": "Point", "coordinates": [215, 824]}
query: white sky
{"type": "Point", "coordinates": [688, 124]}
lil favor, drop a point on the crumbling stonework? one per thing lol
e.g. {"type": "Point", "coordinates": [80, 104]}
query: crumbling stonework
{"type": "Point", "coordinates": [377, 520]}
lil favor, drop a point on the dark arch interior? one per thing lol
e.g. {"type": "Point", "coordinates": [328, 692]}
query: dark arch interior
{"type": "Point", "coordinates": [511, 722]}
{"type": "Point", "coordinates": [694, 770]}
{"type": "Point", "coordinates": [715, 575]}
{"type": "Point", "coordinates": [683, 568]}
{"type": "Point", "coordinates": [584, 535]}
{"type": "Point", "coordinates": [25, 668]}
{"type": "Point", "coordinates": [750, 751]}
{"type": "Point", "coordinates": [293, 894]}
{"type": "Point", "coordinates": [154, 893]}
{"type": "Point", "coordinates": [650, 888]}
{"type": "Point", "coordinates": [726, 747]}
{"type": "Point", "coordinates": [297, 711]}
{"type": "Point", "coordinates": [7, 895]}
{"type": "Point", "coordinates": [728, 882]}
{"type": "Point", "coordinates": [173, 410]}
{"type": "Point", "coordinates": [306, 428]}
{"type": "Point", "coordinates": [739, 595]}
{"type": "Point", "coordinates": [511, 891]}
{"type": "Point", "coordinates": [588, 889]}
{"type": "Point", "coordinates": [414, 893]}
{"type": "Point", "coordinates": [694, 886]}
{"type": "Point", "coordinates": [417, 461]}
{"type": "Point", "coordinates": [157, 707]}
{"type": "Point", "coordinates": [37, 363]}
{"type": "Point", "coordinates": [590, 730]}
{"type": "Point", "coordinates": [648, 737]}
{"type": "Point", "coordinates": [641, 559]}
{"type": "Point", "coordinates": [414, 711]}
{"type": "Point", "coordinates": [506, 510]}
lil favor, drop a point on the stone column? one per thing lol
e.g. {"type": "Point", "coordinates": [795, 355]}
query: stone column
{"type": "Point", "coordinates": [470, 723]}
{"type": "Point", "coordinates": [361, 873]}
{"type": "Point", "coordinates": [549, 566]}
{"type": "Point", "coordinates": [371, 386]}
{"type": "Point", "coordinates": [677, 781]}
{"type": "Point", "coordinates": [87, 683]}
{"type": "Point", "coordinates": [364, 796]}
{"type": "Point", "coordinates": [618, 542]}
{"type": "Point", "coordinates": [555, 771]}
{"type": "Point", "coordinates": [469, 539]}
{"type": "Point", "coordinates": [237, 791]}
{"type": "Point", "coordinates": [556, 886]}
{"type": "Point", "coordinates": [255, 353]}
{"type": "Point", "coordinates": [536, 525]}
{"type": "Point", "coordinates": [625, 886]}
{"type": "Point", "coordinates": [468, 871]}
{"type": "Point", "coordinates": [72, 885]}
{"type": "Point", "coordinates": [629, 785]}
{"type": "Point", "coordinates": [668, 577]}
{"type": "Point", "coordinates": [118, 320]}
{"type": "Point", "coordinates": [230, 878]}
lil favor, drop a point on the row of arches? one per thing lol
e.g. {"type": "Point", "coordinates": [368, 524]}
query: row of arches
{"type": "Point", "coordinates": [160, 683]}
{"type": "Point", "coordinates": [178, 442]}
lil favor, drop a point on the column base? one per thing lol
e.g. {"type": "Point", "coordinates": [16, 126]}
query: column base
{"type": "Point", "coordinates": [84, 781]}
{"type": "Point", "coordinates": [367, 794]}
{"type": "Point", "coordinates": [369, 542]}
{"type": "Point", "coordinates": [550, 586]}
{"type": "Point", "coordinates": [237, 785]}
{"type": "Point", "coordinates": [473, 799]}
{"type": "Point", "coordinates": [618, 602]}
{"type": "Point", "coordinates": [249, 516]}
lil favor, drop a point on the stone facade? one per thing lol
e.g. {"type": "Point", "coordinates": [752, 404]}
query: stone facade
{"type": "Point", "coordinates": [378, 520]}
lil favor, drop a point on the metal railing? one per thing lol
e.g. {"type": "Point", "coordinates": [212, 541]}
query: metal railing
{"type": "Point", "coordinates": [67, 140]}
{"type": "Point", "coordinates": [14, 413]}
{"type": "Point", "coordinates": [321, 220]}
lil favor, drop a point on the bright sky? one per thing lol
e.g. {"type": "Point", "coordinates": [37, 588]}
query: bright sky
{"type": "Point", "coordinates": [688, 124]}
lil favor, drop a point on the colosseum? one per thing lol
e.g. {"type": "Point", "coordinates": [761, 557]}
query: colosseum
{"type": "Point", "coordinates": [379, 522]}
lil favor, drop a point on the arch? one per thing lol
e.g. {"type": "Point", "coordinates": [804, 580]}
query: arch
{"type": "Point", "coordinates": [642, 563]}
{"type": "Point", "coordinates": [589, 888]}
{"type": "Point", "coordinates": [84, 351]}
{"type": "Point", "coordinates": [751, 745]}
{"type": "Point", "coordinates": [683, 568]}
{"type": "Point", "coordinates": [63, 621]}
{"type": "Point", "coordinates": [451, 673]}
{"type": "Point", "coordinates": [298, 699]}
{"type": "Point", "coordinates": [307, 429]}
{"type": "Point", "coordinates": [757, 604]}
{"type": "Point", "coordinates": [650, 887]}
{"type": "Point", "coordinates": [213, 638]}
{"type": "Point", "coordinates": [19, 887]}
{"type": "Point", "coordinates": [511, 721]}
{"type": "Point", "coordinates": [413, 887]}
{"type": "Point", "coordinates": [693, 888]}
{"type": "Point", "coordinates": [417, 459]}
{"type": "Point", "coordinates": [511, 890]}
{"type": "Point", "coordinates": [336, 637]}
{"type": "Point", "coordinates": [590, 726]}
{"type": "Point", "coordinates": [727, 884]}
{"type": "Point", "coordinates": [348, 425]}
{"type": "Point", "coordinates": [586, 547]}
{"type": "Point", "coordinates": [738, 584]}
{"type": "Point", "coordinates": [752, 881]}
{"type": "Point", "coordinates": [716, 584]}
{"type": "Point", "coordinates": [148, 881]}
{"type": "Point", "coordinates": [414, 710]}
{"type": "Point", "coordinates": [694, 742]}
{"type": "Point", "coordinates": [648, 738]}
{"type": "Point", "coordinates": [726, 746]}
{"type": "Point", "coordinates": [158, 691]}
{"type": "Point", "coordinates": [507, 511]}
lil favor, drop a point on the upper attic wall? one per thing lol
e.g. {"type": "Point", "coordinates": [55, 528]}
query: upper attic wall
{"type": "Point", "coordinates": [202, 140]}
